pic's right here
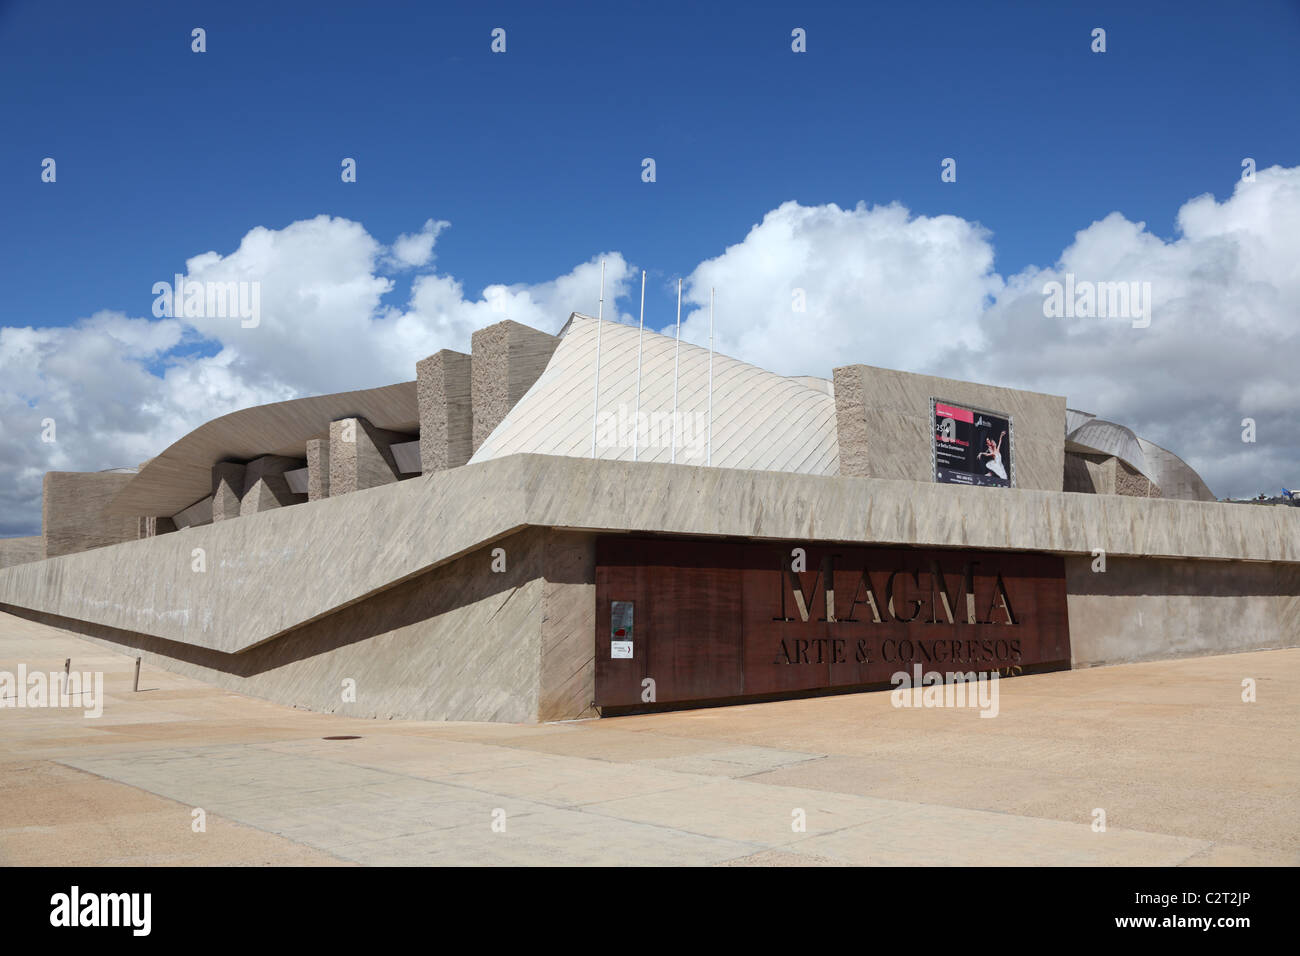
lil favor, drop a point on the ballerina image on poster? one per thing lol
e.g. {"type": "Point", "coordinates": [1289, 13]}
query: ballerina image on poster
{"type": "Point", "coordinates": [994, 456]}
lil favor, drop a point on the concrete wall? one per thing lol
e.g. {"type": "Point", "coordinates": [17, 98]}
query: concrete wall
{"type": "Point", "coordinates": [1129, 481]}
{"type": "Point", "coordinates": [568, 627]}
{"type": "Point", "coordinates": [508, 358]}
{"type": "Point", "coordinates": [398, 578]}
{"type": "Point", "coordinates": [1089, 474]}
{"type": "Point", "coordinates": [273, 571]}
{"type": "Point", "coordinates": [21, 550]}
{"type": "Point", "coordinates": [360, 456]}
{"type": "Point", "coordinates": [884, 424]}
{"type": "Point", "coordinates": [265, 485]}
{"type": "Point", "coordinates": [199, 513]}
{"type": "Point", "coordinates": [72, 511]}
{"type": "Point", "coordinates": [462, 642]}
{"type": "Point", "coordinates": [1140, 610]}
{"type": "Point", "coordinates": [1107, 475]}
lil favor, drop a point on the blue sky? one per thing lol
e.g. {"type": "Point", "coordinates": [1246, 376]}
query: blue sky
{"type": "Point", "coordinates": [534, 156]}
{"type": "Point", "coordinates": [775, 171]}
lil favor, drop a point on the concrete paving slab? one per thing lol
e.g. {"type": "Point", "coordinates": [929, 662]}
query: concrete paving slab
{"type": "Point", "coordinates": [1188, 775]}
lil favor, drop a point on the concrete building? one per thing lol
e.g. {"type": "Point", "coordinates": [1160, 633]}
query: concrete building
{"type": "Point", "coordinates": [491, 542]}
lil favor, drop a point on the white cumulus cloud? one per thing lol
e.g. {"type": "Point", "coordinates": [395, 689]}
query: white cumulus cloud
{"type": "Point", "coordinates": [807, 289]}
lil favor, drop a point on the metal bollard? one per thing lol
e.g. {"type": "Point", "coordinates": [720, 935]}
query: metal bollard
{"type": "Point", "coordinates": [136, 686]}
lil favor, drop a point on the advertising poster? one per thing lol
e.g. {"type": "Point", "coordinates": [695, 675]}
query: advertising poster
{"type": "Point", "coordinates": [972, 446]}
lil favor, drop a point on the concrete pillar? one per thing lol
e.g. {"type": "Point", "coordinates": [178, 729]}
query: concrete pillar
{"type": "Point", "coordinates": [446, 410]}
{"type": "Point", "coordinates": [508, 359]}
{"type": "Point", "coordinates": [318, 469]}
{"type": "Point", "coordinates": [360, 457]}
{"type": "Point", "coordinates": [227, 489]}
{"type": "Point", "coordinates": [851, 421]}
{"type": "Point", "coordinates": [265, 486]}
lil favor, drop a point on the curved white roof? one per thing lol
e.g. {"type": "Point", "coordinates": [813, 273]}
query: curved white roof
{"type": "Point", "coordinates": [1174, 476]}
{"type": "Point", "coordinates": [761, 421]}
{"type": "Point", "coordinates": [1108, 438]}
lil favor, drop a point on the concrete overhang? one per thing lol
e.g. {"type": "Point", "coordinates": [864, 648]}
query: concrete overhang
{"type": "Point", "coordinates": [182, 474]}
{"type": "Point", "coordinates": [271, 572]}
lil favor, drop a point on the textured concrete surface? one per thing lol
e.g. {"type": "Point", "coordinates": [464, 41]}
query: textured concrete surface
{"type": "Point", "coordinates": [407, 456]}
{"type": "Point", "coordinates": [331, 553]}
{"type": "Point", "coordinates": [21, 550]}
{"type": "Point", "coordinates": [265, 485]}
{"type": "Point", "coordinates": [1146, 610]}
{"type": "Point", "coordinates": [446, 410]}
{"type": "Point", "coordinates": [567, 676]}
{"type": "Point", "coordinates": [1128, 481]}
{"type": "Point", "coordinates": [360, 456]}
{"type": "Point", "coordinates": [507, 359]}
{"type": "Point", "coordinates": [1089, 474]}
{"type": "Point", "coordinates": [72, 511]}
{"type": "Point", "coordinates": [318, 469]}
{"type": "Point", "coordinates": [179, 476]}
{"type": "Point", "coordinates": [227, 489]}
{"type": "Point", "coordinates": [198, 513]}
{"type": "Point", "coordinates": [884, 424]}
{"type": "Point", "coordinates": [461, 642]}
{"type": "Point", "coordinates": [1185, 771]}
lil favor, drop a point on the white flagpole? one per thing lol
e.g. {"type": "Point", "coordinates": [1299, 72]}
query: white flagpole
{"type": "Point", "coordinates": [600, 313]}
{"type": "Point", "coordinates": [677, 358]}
{"type": "Point", "coordinates": [636, 424]}
{"type": "Point", "coordinates": [709, 457]}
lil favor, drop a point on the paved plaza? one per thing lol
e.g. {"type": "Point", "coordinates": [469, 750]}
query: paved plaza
{"type": "Point", "coordinates": [1184, 770]}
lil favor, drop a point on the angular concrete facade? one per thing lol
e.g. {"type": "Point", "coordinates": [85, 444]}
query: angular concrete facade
{"type": "Point", "coordinates": [508, 358]}
{"type": "Point", "coordinates": [430, 549]}
{"type": "Point", "coordinates": [361, 456]}
{"type": "Point", "coordinates": [265, 484]}
{"type": "Point", "coordinates": [884, 422]}
{"type": "Point", "coordinates": [454, 643]}
{"type": "Point", "coordinates": [397, 587]}
{"type": "Point", "coordinates": [73, 514]}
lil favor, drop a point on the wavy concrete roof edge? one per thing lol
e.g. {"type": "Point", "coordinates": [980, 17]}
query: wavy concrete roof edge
{"type": "Point", "coordinates": [1171, 470]}
{"type": "Point", "coordinates": [181, 474]}
{"type": "Point", "coordinates": [146, 586]}
{"type": "Point", "coordinates": [1103, 437]}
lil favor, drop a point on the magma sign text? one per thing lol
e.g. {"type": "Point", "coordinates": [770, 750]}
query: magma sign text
{"type": "Point", "coordinates": [720, 619]}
